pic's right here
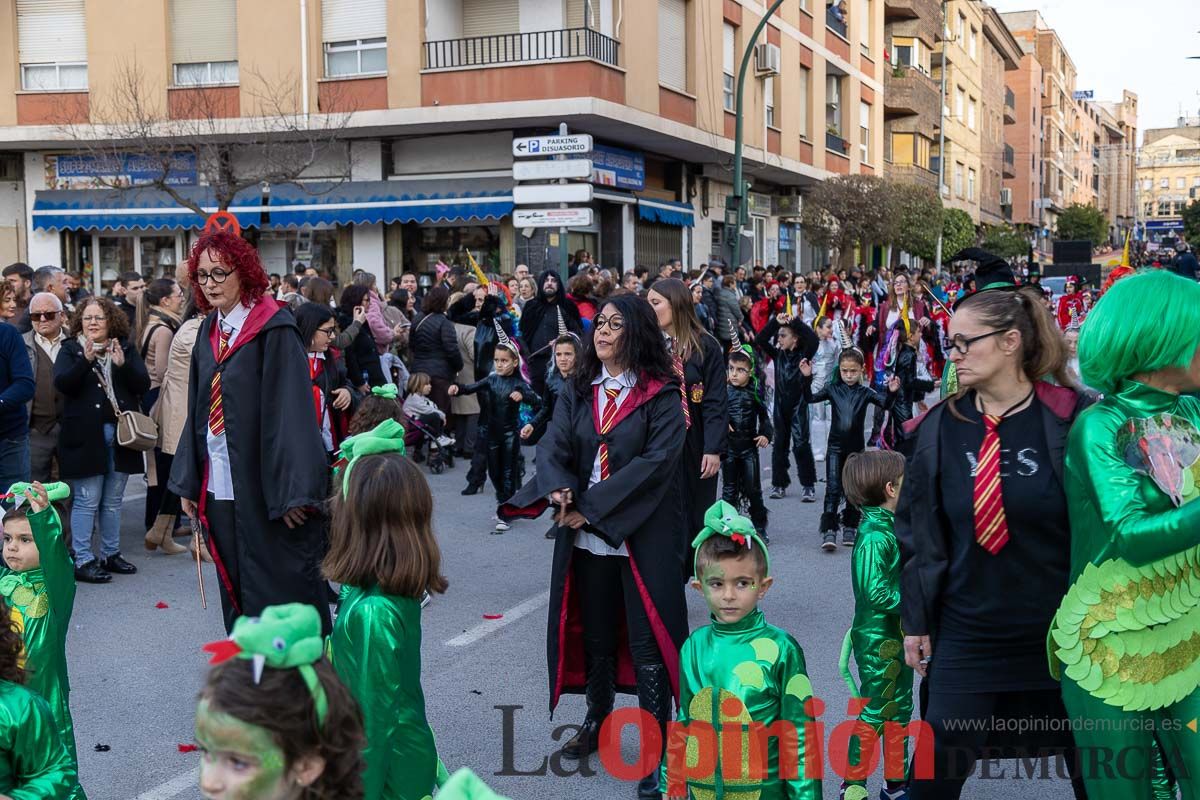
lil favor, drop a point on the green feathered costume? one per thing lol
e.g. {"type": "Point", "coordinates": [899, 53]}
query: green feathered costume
{"type": "Point", "coordinates": [34, 763]}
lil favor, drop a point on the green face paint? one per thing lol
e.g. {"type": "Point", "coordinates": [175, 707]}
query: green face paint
{"type": "Point", "coordinates": [240, 761]}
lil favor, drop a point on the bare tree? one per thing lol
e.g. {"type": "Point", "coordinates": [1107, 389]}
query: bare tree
{"type": "Point", "coordinates": [133, 119]}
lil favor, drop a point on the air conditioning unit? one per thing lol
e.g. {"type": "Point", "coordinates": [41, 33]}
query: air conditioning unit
{"type": "Point", "coordinates": [767, 59]}
{"type": "Point", "coordinates": [1006, 197]}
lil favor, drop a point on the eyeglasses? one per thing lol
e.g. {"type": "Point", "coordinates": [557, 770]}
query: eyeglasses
{"type": "Point", "coordinates": [39, 316]}
{"type": "Point", "coordinates": [92, 319]}
{"type": "Point", "coordinates": [614, 323]}
{"type": "Point", "coordinates": [963, 343]}
{"type": "Point", "coordinates": [217, 276]}
{"type": "Point", "coordinates": [330, 331]}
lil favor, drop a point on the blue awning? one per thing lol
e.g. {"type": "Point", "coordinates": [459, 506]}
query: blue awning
{"type": "Point", "coordinates": [363, 202]}
{"type": "Point", "coordinates": [127, 209]}
{"type": "Point", "coordinates": [666, 212]}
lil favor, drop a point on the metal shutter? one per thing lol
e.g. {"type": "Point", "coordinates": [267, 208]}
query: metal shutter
{"type": "Point", "coordinates": [491, 17]}
{"type": "Point", "coordinates": [51, 31]}
{"type": "Point", "coordinates": [347, 20]}
{"type": "Point", "coordinates": [203, 30]}
{"type": "Point", "coordinates": [672, 44]}
{"type": "Point", "coordinates": [577, 16]}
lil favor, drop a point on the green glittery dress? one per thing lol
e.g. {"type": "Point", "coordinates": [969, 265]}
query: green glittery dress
{"type": "Point", "coordinates": [376, 650]}
{"type": "Point", "coordinates": [732, 675]}
{"type": "Point", "coordinates": [40, 602]}
{"type": "Point", "coordinates": [876, 639]}
{"type": "Point", "coordinates": [1126, 637]}
{"type": "Point", "coordinates": [34, 765]}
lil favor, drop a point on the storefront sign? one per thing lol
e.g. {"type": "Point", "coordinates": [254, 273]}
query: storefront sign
{"type": "Point", "coordinates": [623, 169]}
{"type": "Point", "coordinates": [532, 194]}
{"type": "Point", "coordinates": [551, 170]}
{"type": "Point", "coordinates": [130, 168]}
{"type": "Point", "coordinates": [552, 218]}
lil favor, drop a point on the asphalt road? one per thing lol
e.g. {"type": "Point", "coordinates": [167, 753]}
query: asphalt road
{"type": "Point", "coordinates": [136, 668]}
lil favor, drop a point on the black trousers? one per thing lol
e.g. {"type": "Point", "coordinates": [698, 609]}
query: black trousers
{"type": "Point", "coordinates": [962, 726]}
{"type": "Point", "coordinates": [741, 477]}
{"type": "Point", "coordinates": [836, 455]}
{"type": "Point", "coordinates": [503, 461]}
{"type": "Point", "coordinates": [790, 418]}
{"type": "Point", "coordinates": [477, 473]}
{"type": "Point", "coordinates": [605, 584]}
{"type": "Point", "coordinates": [698, 496]}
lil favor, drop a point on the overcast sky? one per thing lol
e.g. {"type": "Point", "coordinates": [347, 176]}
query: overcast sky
{"type": "Point", "coordinates": [1140, 46]}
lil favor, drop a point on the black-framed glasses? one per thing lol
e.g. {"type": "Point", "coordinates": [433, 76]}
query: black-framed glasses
{"type": "Point", "coordinates": [217, 276]}
{"type": "Point", "coordinates": [614, 323]}
{"type": "Point", "coordinates": [330, 331]}
{"type": "Point", "coordinates": [963, 343]}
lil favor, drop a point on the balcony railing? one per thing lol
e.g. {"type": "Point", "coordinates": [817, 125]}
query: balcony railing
{"type": "Point", "coordinates": [834, 23]}
{"type": "Point", "coordinates": [1010, 155]}
{"type": "Point", "coordinates": [517, 48]}
{"type": "Point", "coordinates": [836, 143]}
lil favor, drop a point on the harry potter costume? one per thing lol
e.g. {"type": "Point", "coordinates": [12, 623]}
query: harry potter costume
{"type": "Point", "coordinates": [617, 612]}
{"type": "Point", "coordinates": [704, 383]}
{"type": "Point", "coordinates": [272, 456]}
{"type": "Point", "coordinates": [34, 764]}
{"type": "Point", "coordinates": [40, 602]}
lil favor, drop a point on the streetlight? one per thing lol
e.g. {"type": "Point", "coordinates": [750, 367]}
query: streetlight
{"type": "Point", "coordinates": [735, 204]}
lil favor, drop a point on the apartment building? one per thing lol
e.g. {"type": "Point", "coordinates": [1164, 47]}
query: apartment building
{"type": "Point", "coordinates": [1168, 178]}
{"type": "Point", "coordinates": [1118, 162]}
{"type": "Point", "coordinates": [432, 94]}
{"type": "Point", "coordinates": [1023, 138]}
{"type": "Point", "coordinates": [1086, 134]}
{"type": "Point", "coordinates": [912, 32]}
{"type": "Point", "coordinates": [1001, 55]}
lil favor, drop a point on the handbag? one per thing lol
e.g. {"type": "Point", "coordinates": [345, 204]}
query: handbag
{"type": "Point", "coordinates": [135, 430]}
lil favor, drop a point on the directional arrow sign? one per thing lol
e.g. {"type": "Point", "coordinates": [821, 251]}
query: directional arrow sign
{"type": "Point", "coordinates": [551, 170]}
{"type": "Point", "coordinates": [552, 218]}
{"type": "Point", "coordinates": [552, 145]}
{"type": "Point", "coordinates": [532, 194]}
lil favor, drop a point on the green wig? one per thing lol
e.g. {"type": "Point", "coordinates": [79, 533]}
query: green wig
{"type": "Point", "coordinates": [1144, 323]}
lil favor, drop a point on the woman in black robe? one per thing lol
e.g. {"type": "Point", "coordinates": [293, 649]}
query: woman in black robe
{"type": "Point", "coordinates": [617, 611]}
{"type": "Point", "coordinates": [259, 444]}
{"type": "Point", "coordinates": [539, 326]}
{"type": "Point", "coordinates": [702, 361]}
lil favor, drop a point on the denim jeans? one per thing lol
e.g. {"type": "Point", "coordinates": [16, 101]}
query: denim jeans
{"type": "Point", "coordinates": [98, 494]}
{"type": "Point", "coordinates": [14, 461]}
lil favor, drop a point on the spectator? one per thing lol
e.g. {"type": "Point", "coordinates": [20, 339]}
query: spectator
{"type": "Point", "coordinates": [97, 368]}
{"type": "Point", "coordinates": [362, 357]}
{"type": "Point", "coordinates": [159, 314]}
{"type": "Point", "coordinates": [16, 390]}
{"type": "Point", "coordinates": [522, 271]}
{"type": "Point", "coordinates": [729, 314]}
{"type": "Point", "coordinates": [20, 277]}
{"type": "Point", "coordinates": [409, 282]}
{"type": "Point", "coordinates": [317, 290]}
{"type": "Point", "coordinates": [631, 283]}
{"type": "Point", "coordinates": [43, 344]}
{"type": "Point", "coordinates": [1185, 264]}
{"type": "Point", "coordinates": [289, 291]}
{"type": "Point", "coordinates": [579, 292]}
{"type": "Point", "coordinates": [8, 303]}
{"type": "Point", "coordinates": [527, 291]}
{"type": "Point", "coordinates": [434, 346]}
{"type": "Point", "coordinates": [381, 331]}
{"type": "Point", "coordinates": [75, 288]}
{"type": "Point", "coordinates": [464, 421]}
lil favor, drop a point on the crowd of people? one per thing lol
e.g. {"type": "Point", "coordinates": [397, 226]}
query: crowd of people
{"type": "Point", "coordinates": [981, 434]}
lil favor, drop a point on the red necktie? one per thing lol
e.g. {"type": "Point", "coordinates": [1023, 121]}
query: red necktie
{"type": "Point", "coordinates": [216, 414]}
{"type": "Point", "coordinates": [991, 528]}
{"type": "Point", "coordinates": [314, 367]}
{"type": "Point", "coordinates": [677, 365]}
{"type": "Point", "coordinates": [607, 419]}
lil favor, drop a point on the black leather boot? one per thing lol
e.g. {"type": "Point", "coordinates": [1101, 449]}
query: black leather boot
{"type": "Point", "coordinates": [654, 696]}
{"type": "Point", "coordinates": [601, 690]}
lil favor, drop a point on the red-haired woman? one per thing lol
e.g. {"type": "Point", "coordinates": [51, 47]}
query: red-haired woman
{"type": "Point", "coordinates": [252, 437]}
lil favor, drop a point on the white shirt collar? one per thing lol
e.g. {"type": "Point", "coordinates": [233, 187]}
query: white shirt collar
{"type": "Point", "coordinates": [37, 337]}
{"type": "Point", "coordinates": [235, 319]}
{"type": "Point", "coordinates": [626, 380]}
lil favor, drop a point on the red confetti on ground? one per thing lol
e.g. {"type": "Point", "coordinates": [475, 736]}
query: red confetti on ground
{"type": "Point", "coordinates": [161, 604]}
{"type": "Point", "coordinates": [187, 748]}
{"type": "Point", "coordinates": [493, 616]}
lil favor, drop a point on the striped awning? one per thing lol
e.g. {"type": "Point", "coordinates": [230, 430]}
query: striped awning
{"type": "Point", "coordinates": [364, 202]}
{"type": "Point", "coordinates": [666, 212]}
{"type": "Point", "coordinates": [129, 209]}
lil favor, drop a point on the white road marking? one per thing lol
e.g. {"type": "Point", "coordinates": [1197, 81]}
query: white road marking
{"type": "Point", "coordinates": [174, 787]}
{"type": "Point", "coordinates": [492, 625]}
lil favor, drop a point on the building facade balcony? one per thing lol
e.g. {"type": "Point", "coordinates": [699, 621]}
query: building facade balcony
{"type": "Point", "coordinates": [1010, 107]}
{"type": "Point", "coordinates": [508, 49]}
{"type": "Point", "coordinates": [912, 9]}
{"type": "Point", "coordinates": [909, 91]}
{"type": "Point", "coordinates": [1010, 162]}
{"type": "Point", "coordinates": [911, 173]}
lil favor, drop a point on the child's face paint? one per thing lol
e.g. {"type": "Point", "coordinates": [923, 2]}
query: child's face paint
{"type": "Point", "coordinates": [851, 372]}
{"type": "Point", "coordinates": [239, 761]}
{"type": "Point", "coordinates": [20, 552]}
{"type": "Point", "coordinates": [505, 363]}
{"type": "Point", "coordinates": [564, 358]}
{"type": "Point", "coordinates": [732, 587]}
{"type": "Point", "coordinates": [739, 374]}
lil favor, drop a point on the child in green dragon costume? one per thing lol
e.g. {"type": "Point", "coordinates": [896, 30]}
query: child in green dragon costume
{"type": "Point", "coordinates": [1126, 637]}
{"type": "Point", "coordinates": [37, 581]}
{"type": "Point", "coordinates": [872, 481]}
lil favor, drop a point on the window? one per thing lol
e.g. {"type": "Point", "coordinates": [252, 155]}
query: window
{"type": "Point", "coordinates": [729, 56]}
{"type": "Point", "coordinates": [1181, 183]}
{"type": "Point", "coordinates": [1164, 208]}
{"type": "Point", "coordinates": [864, 132]}
{"type": "Point", "coordinates": [958, 179]}
{"type": "Point", "coordinates": [1148, 209]}
{"type": "Point", "coordinates": [960, 98]}
{"type": "Point", "coordinates": [833, 104]}
{"type": "Point", "coordinates": [970, 184]}
{"type": "Point", "coordinates": [971, 114]}
{"type": "Point", "coordinates": [1146, 183]}
{"type": "Point", "coordinates": [972, 44]}
{"type": "Point", "coordinates": [1164, 183]}
{"type": "Point", "coordinates": [52, 45]}
{"type": "Point", "coordinates": [672, 44]}
{"type": "Point", "coordinates": [1196, 180]}
{"type": "Point", "coordinates": [805, 76]}
{"type": "Point", "coordinates": [962, 25]}
{"type": "Point", "coordinates": [204, 42]}
{"type": "Point", "coordinates": [355, 37]}
{"type": "Point", "coordinates": [864, 25]}
{"type": "Point", "coordinates": [769, 96]}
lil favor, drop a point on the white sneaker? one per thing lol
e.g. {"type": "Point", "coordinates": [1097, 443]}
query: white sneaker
{"type": "Point", "coordinates": [445, 441]}
{"type": "Point", "coordinates": [501, 527]}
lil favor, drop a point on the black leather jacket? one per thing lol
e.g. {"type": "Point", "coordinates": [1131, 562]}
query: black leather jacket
{"type": "Point", "coordinates": [554, 386]}
{"type": "Point", "coordinates": [503, 415]}
{"type": "Point", "coordinates": [848, 407]}
{"type": "Point", "coordinates": [748, 418]}
{"type": "Point", "coordinates": [787, 362]}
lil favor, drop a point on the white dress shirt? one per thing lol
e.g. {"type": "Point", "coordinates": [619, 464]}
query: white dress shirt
{"type": "Point", "coordinates": [220, 476]}
{"type": "Point", "coordinates": [626, 380]}
{"type": "Point", "coordinates": [326, 430]}
{"type": "Point", "coordinates": [50, 348]}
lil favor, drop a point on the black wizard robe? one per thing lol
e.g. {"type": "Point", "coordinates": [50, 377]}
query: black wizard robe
{"type": "Point", "coordinates": [705, 375]}
{"type": "Point", "coordinates": [639, 505]}
{"type": "Point", "coordinates": [276, 458]}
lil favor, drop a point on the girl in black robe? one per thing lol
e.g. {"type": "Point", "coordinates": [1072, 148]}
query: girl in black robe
{"type": "Point", "coordinates": [617, 611]}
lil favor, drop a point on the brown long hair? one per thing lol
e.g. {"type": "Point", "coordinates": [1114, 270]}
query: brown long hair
{"type": "Point", "coordinates": [1043, 348]}
{"type": "Point", "coordinates": [381, 533]}
{"type": "Point", "coordinates": [118, 323]}
{"type": "Point", "coordinates": [686, 329]}
{"type": "Point", "coordinates": [282, 704]}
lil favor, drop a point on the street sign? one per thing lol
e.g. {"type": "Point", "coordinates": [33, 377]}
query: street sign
{"type": "Point", "coordinates": [552, 145]}
{"type": "Point", "coordinates": [552, 170]}
{"type": "Point", "coordinates": [552, 218]}
{"type": "Point", "coordinates": [531, 194]}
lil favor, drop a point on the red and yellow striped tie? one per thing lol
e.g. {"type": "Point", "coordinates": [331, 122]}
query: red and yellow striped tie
{"type": "Point", "coordinates": [991, 527]}
{"type": "Point", "coordinates": [216, 415]}
{"type": "Point", "coordinates": [607, 420]}
{"type": "Point", "coordinates": [677, 365]}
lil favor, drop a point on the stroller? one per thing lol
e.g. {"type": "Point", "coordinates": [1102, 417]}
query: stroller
{"type": "Point", "coordinates": [422, 443]}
